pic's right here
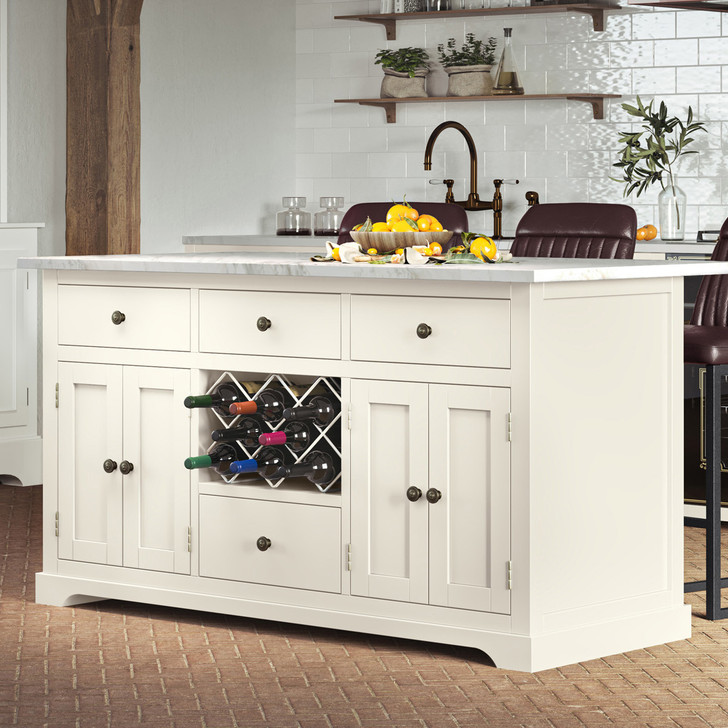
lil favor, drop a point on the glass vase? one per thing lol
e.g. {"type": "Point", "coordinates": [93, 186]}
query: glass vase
{"type": "Point", "coordinates": [671, 203]}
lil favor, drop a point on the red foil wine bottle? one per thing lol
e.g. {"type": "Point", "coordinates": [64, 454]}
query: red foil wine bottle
{"type": "Point", "coordinates": [295, 434]}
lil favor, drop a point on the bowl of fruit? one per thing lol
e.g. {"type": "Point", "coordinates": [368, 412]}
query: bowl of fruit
{"type": "Point", "coordinates": [403, 228]}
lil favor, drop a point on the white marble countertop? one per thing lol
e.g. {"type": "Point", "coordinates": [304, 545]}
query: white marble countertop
{"type": "Point", "coordinates": [521, 270]}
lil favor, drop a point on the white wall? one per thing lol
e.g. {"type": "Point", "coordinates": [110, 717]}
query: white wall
{"type": "Point", "coordinates": [218, 106]}
{"type": "Point", "coordinates": [554, 147]}
{"type": "Point", "coordinates": [37, 118]}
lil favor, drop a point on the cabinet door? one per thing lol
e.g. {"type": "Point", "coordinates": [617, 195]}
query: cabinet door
{"type": "Point", "coordinates": [388, 455]}
{"type": "Point", "coordinates": [89, 432]}
{"type": "Point", "coordinates": [470, 524]}
{"type": "Point", "coordinates": [157, 490]}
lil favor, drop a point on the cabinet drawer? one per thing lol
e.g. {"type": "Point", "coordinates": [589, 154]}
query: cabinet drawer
{"type": "Point", "coordinates": [305, 543]}
{"type": "Point", "coordinates": [301, 324]}
{"type": "Point", "coordinates": [153, 318]}
{"type": "Point", "coordinates": [465, 332]}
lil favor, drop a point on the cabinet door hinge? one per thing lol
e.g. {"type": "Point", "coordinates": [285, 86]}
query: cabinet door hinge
{"type": "Point", "coordinates": [348, 416]}
{"type": "Point", "coordinates": [348, 557]}
{"type": "Point", "coordinates": [57, 520]}
{"type": "Point", "coordinates": [508, 428]}
{"type": "Point", "coordinates": [509, 575]}
{"type": "Point", "coordinates": [189, 539]}
{"type": "Point", "coordinates": [57, 396]}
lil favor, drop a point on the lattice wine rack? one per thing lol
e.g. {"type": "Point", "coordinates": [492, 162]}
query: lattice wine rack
{"type": "Point", "coordinates": [299, 389]}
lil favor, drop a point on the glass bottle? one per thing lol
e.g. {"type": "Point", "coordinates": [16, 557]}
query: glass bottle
{"type": "Point", "coordinates": [222, 397]}
{"type": "Point", "coordinates": [294, 220]}
{"type": "Point", "coordinates": [328, 220]}
{"type": "Point", "coordinates": [671, 203]}
{"type": "Point", "coordinates": [295, 434]}
{"type": "Point", "coordinates": [246, 431]}
{"type": "Point", "coordinates": [221, 456]}
{"type": "Point", "coordinates": [506, 77]}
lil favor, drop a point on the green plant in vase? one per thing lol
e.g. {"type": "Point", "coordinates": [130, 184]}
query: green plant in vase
{"type": "Point", "coordinates": [405, 72]}
{"type": "Point", "coordinates": [650, 154]}
{"type": "Point", "coordinates": [468, 68]}
{"type": "Point", "coordinates": [403, 60]}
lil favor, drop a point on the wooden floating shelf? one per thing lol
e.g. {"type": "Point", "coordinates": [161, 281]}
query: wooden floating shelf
{"type": "Point", "coordinates": [718, 7]}
{"type": "Point", "coordinates": [390, 105]}
{"type": "Point", "coordinates": [597, 12]}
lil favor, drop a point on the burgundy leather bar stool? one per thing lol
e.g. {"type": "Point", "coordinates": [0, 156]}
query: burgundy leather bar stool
{"type": "Point", "coordinates": [453, 217]}
{"type": "Point", "coordinates": [576, 230]}
{"type": "Point", "coordinates": [706, 344]}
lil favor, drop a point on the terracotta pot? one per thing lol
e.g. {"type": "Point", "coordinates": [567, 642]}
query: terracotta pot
{"type": "Point", "coordinates": [399, 85]}
{"type": "Point", "coordinates": [469, 80]}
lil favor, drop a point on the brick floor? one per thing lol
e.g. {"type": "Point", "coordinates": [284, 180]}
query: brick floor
{"type": "Point", "coordinates": [123, 664]}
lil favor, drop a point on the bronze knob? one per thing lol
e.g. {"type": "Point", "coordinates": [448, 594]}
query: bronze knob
{"type": "Point", "coordinates": [117, 318]}
{"type": "Point", "coordinates": [109, 466]}
{"type": "Point", "coordinates": [263, 323]}
{"type": "Point", "coordinates": [423, 331]}
{"type": "Point", "coordinates": [263, 543]}
{"type": "Point", "coordinates": [126, 467]}
{"type": "Point", "coordinates": [413, 493]}
{"type": "Point", "coordinates": [433, 495]}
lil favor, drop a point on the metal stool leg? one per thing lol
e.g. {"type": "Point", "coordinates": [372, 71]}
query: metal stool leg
{"type": "Point", "coordinates": [713, 581]}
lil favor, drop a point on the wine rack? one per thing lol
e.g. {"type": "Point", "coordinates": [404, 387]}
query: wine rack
{"type": "Point", "coordinates": [299, 389]}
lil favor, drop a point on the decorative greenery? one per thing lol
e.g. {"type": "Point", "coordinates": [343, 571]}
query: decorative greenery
{"type": "Point", "coordinates": [473, 52]}
{"type": "Point", "coordinates": [403, 60]}
{"type": "Point", "coordinates": [648, 155]}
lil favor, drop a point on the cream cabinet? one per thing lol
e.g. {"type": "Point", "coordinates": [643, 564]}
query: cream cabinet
{"type": "Point", "coordinates": [119, 501]}
{"type": "Point", "coordinates": [505, 483]}
{"type": "Point", "coordinates": [430, 482]}
{"type": "Point", "coordinates": [20, 442]}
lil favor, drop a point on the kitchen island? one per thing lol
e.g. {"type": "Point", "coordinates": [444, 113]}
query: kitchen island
{"type": "Point", "coordinates": [509, 440]}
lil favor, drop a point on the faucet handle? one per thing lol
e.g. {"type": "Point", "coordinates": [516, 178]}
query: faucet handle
{"type": "Point", "coordinates": [449, 196]}
{"type": "Point", "coordinates": [499, 182]}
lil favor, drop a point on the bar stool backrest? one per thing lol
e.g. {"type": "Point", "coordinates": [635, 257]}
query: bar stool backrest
{"type": "Point", "coordinates": [711, 304]}
{"type": "Point", "coordinates": [576, 230]}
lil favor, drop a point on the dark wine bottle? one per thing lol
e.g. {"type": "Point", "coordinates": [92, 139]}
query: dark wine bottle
{"type": "Point", "coordinates": [220, 456]}
{"type": "Point", "coordinates": [318, 466]}
{"type": "Point", "coordinates": [295, 434]}
{"type": "Point", "coordinates": [319, 409]}
{"type": "Point", "coordinates": [246, 431]}
{"type": "Point", "coordinates": [269, 403]}
{"type": "Point", "coordinates": [267, 460]}
{"type": "Point", "coordinates": [222, 396]}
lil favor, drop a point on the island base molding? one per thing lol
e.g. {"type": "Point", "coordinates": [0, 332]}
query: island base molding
{"type": "Point", "coordinates": [507, 651]}
{"type": "Point", "coordinates": [21, 461]}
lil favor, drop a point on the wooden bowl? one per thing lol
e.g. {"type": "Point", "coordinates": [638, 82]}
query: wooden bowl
{"type": "Point", "coordinates": [387, 242]}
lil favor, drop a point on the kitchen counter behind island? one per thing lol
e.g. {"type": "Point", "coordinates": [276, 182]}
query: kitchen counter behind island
{"type": "Point", "coordinates": [510, 443]}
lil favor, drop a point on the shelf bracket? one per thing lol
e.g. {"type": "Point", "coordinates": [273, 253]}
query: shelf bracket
{"type": "Point", "coordinates": [390, 109]}
{"type": "Point", "coordinates": [390, 25]}
{"type": "Point", "coordinates": [597, 105]}
{"type": "Point", "coordinates": [599, 18]}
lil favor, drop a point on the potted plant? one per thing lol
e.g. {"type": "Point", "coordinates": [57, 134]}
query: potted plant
{"type": "Point", "coordinates": [649, 156]}
{"type": "Point", "coordinates": [468, 69]}
{"type": "Point", "coordinates": [405, 71]}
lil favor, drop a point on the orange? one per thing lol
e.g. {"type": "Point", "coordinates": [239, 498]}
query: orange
{"type": "Point", "coordinates": [380, 227]}
{"type": "Point", "coordinates": [436, 248]}
{"type": "Point", "coordinates": [372, 251]}
{"type": "Point", "coordinates": [335, 254]}
{"type": "Point", "coordinates": [423, 223]}
{"type": "Point", "coordinates": [641, 233]}
{"type": "Point", "coordinates": [484, 248]}
{"type": "Point", "coordinates": [650, 232]}
{"type": "Point", "coordinates": [398, 212]}
{"type": "Point", "coordinates": [435, 227]}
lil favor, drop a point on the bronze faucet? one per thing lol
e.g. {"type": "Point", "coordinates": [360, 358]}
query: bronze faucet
{"type": "Point", "coordinates": [474, 202]}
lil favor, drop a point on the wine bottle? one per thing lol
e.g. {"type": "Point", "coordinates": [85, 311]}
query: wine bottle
{"type": "Point", "coordinates": [222, 396]}
{"type": "Point", "coordinates": [319, 409]}
{"type": "Point", "coordinates": [246, 431]}
{"type": "Point", "coordinates": [267, 460]}
{"type": "Point", "coordinates": [220, 456]}
{"type": "Point", "coordinates": [269, 403]}
{"type": "Point", "coordinates": [295, 434]}
{"type": "Point", "coordinates": [317, 466]}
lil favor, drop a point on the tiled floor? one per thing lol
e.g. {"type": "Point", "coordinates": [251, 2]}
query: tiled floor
{"type": "Point", "coordinates": [119, 664]}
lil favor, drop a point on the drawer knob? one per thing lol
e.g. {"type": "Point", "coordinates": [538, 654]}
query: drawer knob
{"type": "Point", "coordinates": [126, 467]}
{"type": "Point", "coordinates": [263, 543]}
{"type": "Point", "coordinates": [413, 493]}
{"type": "Point", "coordinates": [423, 331]}
{"type": "Point", "coordinates": [117, 318]}
{"type": "Point", "coordinates": [264, 323]}
{"type": "Point", "coordinates": [433, 495]}
{"type": "Point", "coordinates": [109, 465]}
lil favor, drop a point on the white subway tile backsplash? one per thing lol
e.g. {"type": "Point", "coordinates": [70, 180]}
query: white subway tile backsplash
{"type": "Point", "coordinates": [555, 147]}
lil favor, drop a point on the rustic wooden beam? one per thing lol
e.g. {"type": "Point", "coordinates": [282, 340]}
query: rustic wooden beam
{"type": "Point", "coordinates": [103, 127]}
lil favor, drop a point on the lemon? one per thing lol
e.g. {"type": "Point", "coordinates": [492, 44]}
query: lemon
{"type": "Point", "coordinates": [380, 227]}
{"type": "Point", "coordinates": [484, 248]}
